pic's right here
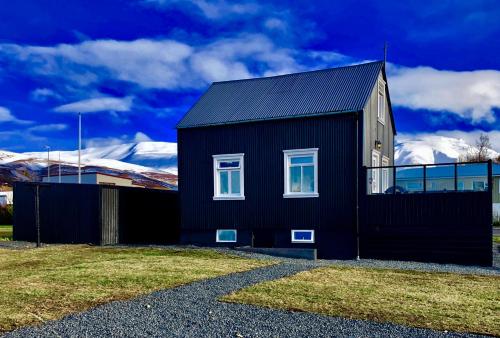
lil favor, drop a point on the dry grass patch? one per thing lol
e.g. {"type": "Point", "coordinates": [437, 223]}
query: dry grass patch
{"type": "Point", "coordinates": [50, 282]}
{"type": "Point", "coordinates": [442, 301]}
{"type": "Point", "coordinates": [5, 232]}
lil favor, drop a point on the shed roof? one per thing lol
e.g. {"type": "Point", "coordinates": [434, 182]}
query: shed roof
{"type": "Point", "coordinates": [328, 91]}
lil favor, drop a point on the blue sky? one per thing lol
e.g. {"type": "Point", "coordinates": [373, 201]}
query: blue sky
{"type": "Point", "coordinates": [134, 67]}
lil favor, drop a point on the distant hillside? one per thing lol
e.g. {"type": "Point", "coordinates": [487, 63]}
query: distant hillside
{"type": "Point", "coordinates": [153, 164]}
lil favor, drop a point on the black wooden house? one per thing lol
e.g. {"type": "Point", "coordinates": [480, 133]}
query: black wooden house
{"type": "Point", "coordinates": [275, 161]}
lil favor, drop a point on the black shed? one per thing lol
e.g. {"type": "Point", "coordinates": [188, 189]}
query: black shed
{"type": "Point", "coordinates": [95, 214]}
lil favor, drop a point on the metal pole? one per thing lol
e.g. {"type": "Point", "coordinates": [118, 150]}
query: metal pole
{"type": "Point", "coordinates": [79, 147]}
{"type": "Point", "coordinates": [59, 167]}
{"type": "Point", "coordinates": [37, 215]}
{"type": "Point", "coordinates": [357, 188]}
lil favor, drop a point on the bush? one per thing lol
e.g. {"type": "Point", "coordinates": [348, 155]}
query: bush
{"type": "Point", "coordinates": [6, 215]}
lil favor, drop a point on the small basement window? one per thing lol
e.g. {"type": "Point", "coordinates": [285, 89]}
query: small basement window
{"type": "Point", "coordinates": [229, 177]}
{"type": "Point", "coordinates": [302, 236]}
{"type": "Point", "coordinates": [226, 236]}
{"type": "Point", "coordinates": [301, 173]}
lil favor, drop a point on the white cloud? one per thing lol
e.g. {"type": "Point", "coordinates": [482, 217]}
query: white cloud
{"type": "Point", "coordinates": [275, 24]}
{"type": "Point", "coordinates": [472, 95]}
{"type": "Point", "coordinates": [211, 9]}
{"type": "Point", "coordinates": [165, 64]}
{"type": "Point", "coordinates": [42, 94]}
{"type": "Point", "coordinates": [43, 128]}
{"type": "Point", "coordinates": [7, 116]}
{"type": "Point", "coordinates": [112, 104]}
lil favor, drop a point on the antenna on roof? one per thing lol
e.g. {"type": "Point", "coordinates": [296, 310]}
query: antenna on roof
{"type": "Point", "coordinates": [385, 52]}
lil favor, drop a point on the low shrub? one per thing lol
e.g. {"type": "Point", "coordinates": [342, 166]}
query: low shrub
{"type": "Point", "coordinates": [6, 214]}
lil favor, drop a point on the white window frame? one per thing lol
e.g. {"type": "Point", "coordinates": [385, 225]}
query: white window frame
{"type": "Point", "coordinates": [381, 96]}
{"type": "Point", "coordinates": [287, 154]}
{"type": "Point", "coordinates": [221, 241]}
{"type": "Point", "coordinates": [385, 174]}
{"type": "Point", "coordinates": [219, 158]}
{"type": "Point", "coordinates": [303, 240]}
{"type": "Point", "coordinates": [375, 178]}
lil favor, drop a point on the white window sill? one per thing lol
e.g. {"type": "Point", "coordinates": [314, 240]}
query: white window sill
{"type": "Point", "coordinates": [381, 121]}
{"type": "Point", "coordinates": [299, 195]}
{"type": "Point", "coordinates": [225, 241]}
{"type": "Point", "coordinates": [229, 198]}
{"type": "Point", "coordinates": [309, 242]}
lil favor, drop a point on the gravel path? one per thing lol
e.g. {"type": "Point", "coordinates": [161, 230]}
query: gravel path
{"type": "Point", "coordinates": [193, 311]}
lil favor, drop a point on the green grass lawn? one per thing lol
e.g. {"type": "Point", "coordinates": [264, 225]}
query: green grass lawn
{"type": "Point", "coordinates": [53, 281]}
{"type": "Point", "coordinates": [5, 232]}
{"type": "Point", "coordinates": [442, 301]}
{"type": "Point", "coordinates": [496, 239]}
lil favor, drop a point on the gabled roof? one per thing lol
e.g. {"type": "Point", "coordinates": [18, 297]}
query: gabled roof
{"type": "Point", "coordinates": [328, 91]}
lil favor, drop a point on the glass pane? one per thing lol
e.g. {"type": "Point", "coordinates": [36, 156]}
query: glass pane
{"type": "Point", "coordinates": [308, 178]}
{"type": "Point", "coordinates": [295, 179]}
{"type": "Point", "coordinates": [226, 235]}
{"type": "Point", "coordinates": [235, 182]}
{"type": "Point", "coordinates": [409, 180]}
{"type": "Point", "coordinates": [440, 178]}
{"type": "Point", "coordinates": [229, 164]}
{"type": "Point", "coordinates": [470, 172]}
{"type": "Point", "coordinates": [302, 235]}
{"type": "Point", "coordinates": [224, 182]}
{"type": "Point", "coordinates": [301, 160]}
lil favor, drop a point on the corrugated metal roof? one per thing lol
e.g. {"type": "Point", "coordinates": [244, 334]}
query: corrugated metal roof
{"type": "Point", "coordinates": [328, 91]}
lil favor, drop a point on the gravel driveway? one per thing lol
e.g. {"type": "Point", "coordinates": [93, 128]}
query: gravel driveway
{"type": "Point", "coordinates": [193, 311]}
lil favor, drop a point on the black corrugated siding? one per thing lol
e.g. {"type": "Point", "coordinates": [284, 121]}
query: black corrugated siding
{"type": "Point", "coordinates": [87, 213]}
{"type": "Point", "coordinates": [264, 207]}
{"type": "Point", "coordinates": [449, 227]}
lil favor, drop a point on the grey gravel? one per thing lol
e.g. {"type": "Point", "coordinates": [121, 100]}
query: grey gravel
{"type": "Point", "coordinates": [16, 245]}
{"type": "Point", "coordinates": [194, 311]}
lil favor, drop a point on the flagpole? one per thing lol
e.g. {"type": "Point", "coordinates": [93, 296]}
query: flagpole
{"type": "Point", "coordinates": [79, 147]}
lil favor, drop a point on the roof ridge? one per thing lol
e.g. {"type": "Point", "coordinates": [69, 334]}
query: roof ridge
{"type": "Point", "coordinates": [298, 73]}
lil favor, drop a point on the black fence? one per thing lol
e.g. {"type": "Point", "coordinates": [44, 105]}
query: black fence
{"type": "Point", "coordinates": [96, 214]}
{"type": "Point", "coordinates": [436, 225]}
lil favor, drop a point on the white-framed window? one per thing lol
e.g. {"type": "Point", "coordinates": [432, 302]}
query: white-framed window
{"type": "Point", "coordinates": [479, 186]}
{"type": "Point", "coordinates": [375, 177]}
{"type": "Point", "coordinates": [381, 101]}
{"type": "Point", "coordinates": [229, 177]}
{"type": "Point", "coordinates": [385, 174]}
{"type": "Point", "coordinates": [302, 236]}
{"type": "Point", "coordinates": [226, 236]}
{"type": "Point", "coordinates": [301, 173]}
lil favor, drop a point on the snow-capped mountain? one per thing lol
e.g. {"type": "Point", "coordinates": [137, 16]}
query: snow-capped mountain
{"type": "Point", "coordinates": [432, 149]}
{"type": "Point", "coordinates": [139, 157]}
{"type": "Point", "coordinates": [147, 162]}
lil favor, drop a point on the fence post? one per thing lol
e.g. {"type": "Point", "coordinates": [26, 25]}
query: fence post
{"type": "Point", "coordinates": [490, 177]}
{"type": "Point", "coordinates": [394, 180]}
{"type": "Point", "coordinates": [37, 215]}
